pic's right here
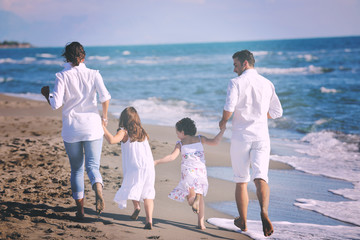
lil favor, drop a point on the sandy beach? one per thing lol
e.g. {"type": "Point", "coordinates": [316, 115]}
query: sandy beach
{"type": "Point", "coordinates": [35, 189]}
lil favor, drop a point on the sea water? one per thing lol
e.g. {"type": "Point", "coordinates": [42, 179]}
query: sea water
{"type": "Point", "coordinates": [317, 81]}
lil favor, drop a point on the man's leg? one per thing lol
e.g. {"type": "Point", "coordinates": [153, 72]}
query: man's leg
{"type": "Point", "coordinates": [242, 202]}
{"type": "Point", "coordinates": [263, 195]}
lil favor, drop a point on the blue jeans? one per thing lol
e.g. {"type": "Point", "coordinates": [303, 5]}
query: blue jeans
{"type": "Point", "coordinates": [75, 151]}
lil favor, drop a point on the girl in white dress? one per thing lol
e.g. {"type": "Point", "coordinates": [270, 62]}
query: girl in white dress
{"type": "Point", "coordinates": [138, 165]}
{"type": "Point", "coordinates": [193, 185]}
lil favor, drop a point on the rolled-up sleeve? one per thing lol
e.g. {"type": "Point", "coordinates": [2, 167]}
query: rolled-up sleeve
{"type": "Point", "coordinates": [231, 97]}
{"type": "Point", "coordinates": [104, 94]}
{"type": "Point", "coordinates": [275, 110]}
{"type": "Point", "coordinates": [57, 96]}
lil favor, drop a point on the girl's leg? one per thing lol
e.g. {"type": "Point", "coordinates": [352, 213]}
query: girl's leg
{"type": "Point", "coordinates": [76, 158]}
{"type": "Point", "coordinates": [201, 214]}
{"type": "Point", "coordinates": [137, 208]}
{"type": "Point", "coordinates": [196, 203]}
{"type": "Point", "coordinates": [149, 209]}
{"type": "Point", "coordinates": [92, 164]}
{"type": "Point", "coordinates": [191, 196]}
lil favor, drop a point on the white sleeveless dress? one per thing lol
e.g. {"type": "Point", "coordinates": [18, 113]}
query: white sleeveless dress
{"type": "Point", "coordinates": [139, 173]}
{"type": "Point", "coordinates": [193, 172]}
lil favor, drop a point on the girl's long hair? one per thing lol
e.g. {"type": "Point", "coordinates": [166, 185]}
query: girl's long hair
{"type": "Point", "coordinates": [130, 121]}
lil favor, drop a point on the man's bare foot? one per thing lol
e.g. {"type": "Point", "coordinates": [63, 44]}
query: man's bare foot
{"type": "Point", "coordinates": [240, 223]}
{"type": "Point", "coordinates": [196, 204]}
{"type": "Point", "coordinates": [267, 226]}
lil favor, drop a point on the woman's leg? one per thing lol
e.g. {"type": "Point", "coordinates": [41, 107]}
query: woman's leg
{"type": "Point", "coordinates": [76, 158]}
{"type": "Point", "coordinates": [92, 164]}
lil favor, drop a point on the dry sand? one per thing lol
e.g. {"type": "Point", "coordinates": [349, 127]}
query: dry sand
{"type": "Point", "coordinates": [35, 194]}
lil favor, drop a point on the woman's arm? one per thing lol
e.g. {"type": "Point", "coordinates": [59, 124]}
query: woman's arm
{"type": "Point", "coordinates": [215, 140]}
{"type": "Point", "coordinates": [105, 107]}
{"type": "Point", "coordinates": [114, 139]}
{"type": "Point", "coordinates": [170, 157]}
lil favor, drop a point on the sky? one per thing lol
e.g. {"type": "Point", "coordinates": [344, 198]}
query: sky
{"type": "Point", "coordinates": [47, 23]}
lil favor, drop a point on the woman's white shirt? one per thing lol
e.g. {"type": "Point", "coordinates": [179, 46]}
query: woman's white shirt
{"type": "Point", "coordinates": [75, 89]}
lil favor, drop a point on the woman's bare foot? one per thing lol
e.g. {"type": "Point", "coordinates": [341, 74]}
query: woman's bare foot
{"type": "Point", "coordinates": [196, 204]}
{"type": "Point", "coordinates": [240, 223]}
{"type": "Point", "coordinates": [100, 203]}
{"type": "Point", "coordinates": [267, 226]}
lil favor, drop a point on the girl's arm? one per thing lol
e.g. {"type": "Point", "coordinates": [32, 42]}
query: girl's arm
{"type": "Point", "coordinates": [113, 139]}
{"type": "Point", "coordinates": [213, 141]}
{"type": "Point", "coordinates": [170, 157]}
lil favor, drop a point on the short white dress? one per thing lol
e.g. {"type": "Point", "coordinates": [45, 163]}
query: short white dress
{"type": "Point", "coordinates": [139, 173]}
{"type": "Point", "coordinates": [193, 172]}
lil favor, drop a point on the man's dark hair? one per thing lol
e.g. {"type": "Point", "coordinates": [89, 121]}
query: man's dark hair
{"type": "Point", "coordinates": [245, 55]}
{"type": "Point", "coordinates": [187, 125]}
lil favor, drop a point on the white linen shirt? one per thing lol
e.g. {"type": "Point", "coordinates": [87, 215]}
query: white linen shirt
{"type": "Point", "coordinates": [75, 89]}
{"type": "Point", "coordinates": [250, 97]}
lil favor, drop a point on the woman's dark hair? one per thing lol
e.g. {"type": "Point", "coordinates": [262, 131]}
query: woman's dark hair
{"type": "Point", "coordinates": [245, 55]}
{"type": "Point", "coordinates": [74, 52]}
{"type": "Point", "coordinates": [187, 125]}
{"type": "Point", "coordinates": [130, 120]}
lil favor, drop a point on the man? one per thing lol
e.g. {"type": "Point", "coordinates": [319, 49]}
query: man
{"type": "Point", "coordinates": [251, 98]}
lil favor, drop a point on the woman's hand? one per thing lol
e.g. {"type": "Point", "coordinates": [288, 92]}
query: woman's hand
{"type": "Point", "coordinates": [45, 91]}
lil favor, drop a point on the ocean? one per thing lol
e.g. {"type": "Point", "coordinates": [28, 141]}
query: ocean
{"type": "Point", "coordinates": [317, 81]}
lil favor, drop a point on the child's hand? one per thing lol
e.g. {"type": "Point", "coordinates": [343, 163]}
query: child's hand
{"type": "Point", "coordinates": [223, 128]}
{"type": "Point", "coordinates": [156, 162]}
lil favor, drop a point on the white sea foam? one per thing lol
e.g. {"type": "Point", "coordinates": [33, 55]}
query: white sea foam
{"type": "Point", "coordinates": [299, 70]}
{"type": "Point", "coordinates": [7, 60]}
{"type": "Point", "coordinates": [31, 60]}
{"type": "Point", "coordinates": [328, 90]}
{"type": "Point", "coordinates": [5, 79]}
{"type": "Point", "coordinates": [46, 55]}
{"type": "Point", "coordinates": [125, 53]}
{"type": "Point", "coordinates": [322, 153]}
{"type": "Point", "coordinates": [167, 112]}
{"type": "Point", "coordinates": [99, 58]}
{"type": "Point", "coordinates": [303, 231]}
{"type": "Point", "coordinates": [260, 53]}
{"type": "Point", "coordinates": [307, 57]}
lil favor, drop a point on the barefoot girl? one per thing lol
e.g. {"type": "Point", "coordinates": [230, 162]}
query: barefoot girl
{"type": "Point", "coordinates": [193, 184]}
{"type": "Point", "coordinates": [138, 165]}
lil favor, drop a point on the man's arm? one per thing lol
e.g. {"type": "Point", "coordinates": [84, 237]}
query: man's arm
{"type": "Point", "coordinates": [226, 116]}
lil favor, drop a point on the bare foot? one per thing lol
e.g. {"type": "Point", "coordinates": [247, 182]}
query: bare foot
{"type": "Point", "coordinates": [267, 226]}
{"type": "Point", "coordinates": [148, 226]}
{"type": "Point", "coordinates": [196, 204]}
{"type": "Point", "coordinates": [100, 203]}
{"type": "Point", "coordinates": [201, 226]}
{"type": "Point", "coordinates": [240, 223]}
{"type": "Point", "coordinates": [135, 214]}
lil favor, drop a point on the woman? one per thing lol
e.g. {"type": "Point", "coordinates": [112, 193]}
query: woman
{"type": "Point", "coordinates": [75, 89]}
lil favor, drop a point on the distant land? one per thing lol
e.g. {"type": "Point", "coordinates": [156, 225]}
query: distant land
{"type": "Point", "coordinates": [14, 44]}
